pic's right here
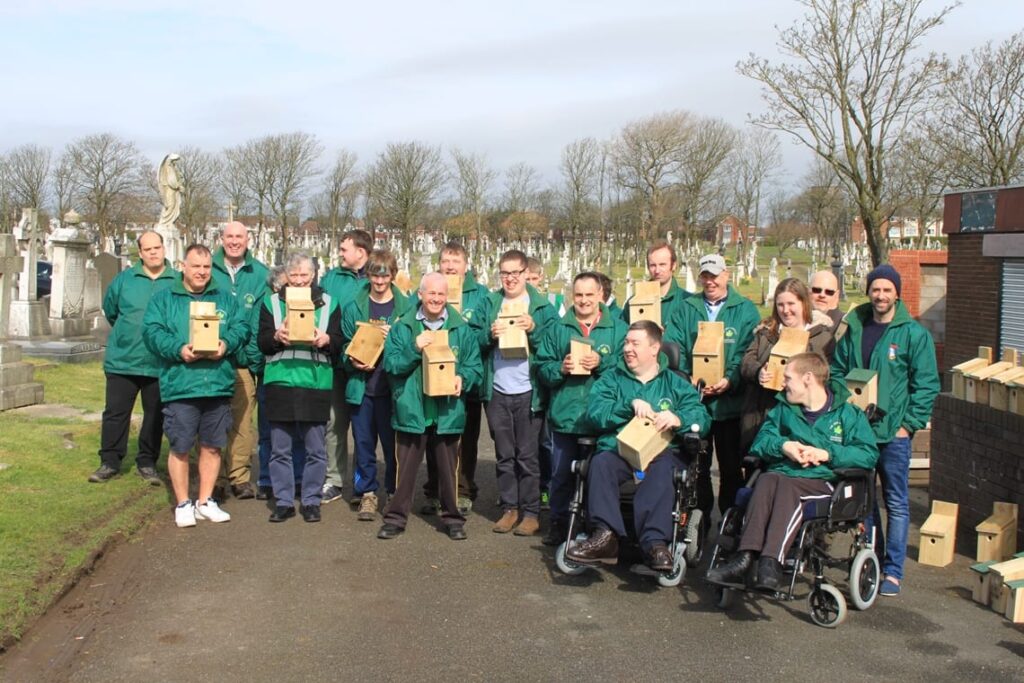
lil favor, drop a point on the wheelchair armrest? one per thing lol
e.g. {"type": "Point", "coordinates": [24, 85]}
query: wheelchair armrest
{"type": "Point", "coordinates": [874, 414]}
{"type": "Point", "coordinates": [692, 444]}
{"type": "Point", "coordinates": [752, 462]}
{"type": "Point", "coordinates": [854, 473]}
{"type": "Point", "coordinates": [586, 441]}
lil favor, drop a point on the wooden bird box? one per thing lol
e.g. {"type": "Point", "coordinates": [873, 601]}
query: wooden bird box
{"type": "Point", "coordinates": [863, 386]}
{"type": "Point", "coordinates": [997, 535]}
{"type": "Point", "coordinates": [976, 382]}
{"type": "Point", "coordinates": [709, 352]}
{"type": "Point", "coordinates": [1014, 601]}
{"type": "Point", "coordinates": [999, 387]}
{"type": "Point", "coordinates": [938, 535]}
{"type": "Point", "coordinates": [367, 343]}
{"type": "Point", "coordinates": [1016, 398]}
{"type": "Point", "coordinates": [640, 442]}
{"type": "Point", "coordinates": [792, 341]}
{"type": "Point", "coordinates": [959, 373]}
{"type": "Point", "coordinates": [579, 347]}
{"type": "Point", "coordinates": [439, 366]}
{"type": "Point", "coordinates": [455, 291]}
{"type": "Point", "coordinates": [1003, 572]}
{"type": "Point", "coordinates": [301, 314]}
{"type": "Point", "coordinates": [843, 324]}
{"type": "Point", "coordinates": [203, 327]}
{"type": "Point", "coordinates": [513, 342]}
{"type": "Point", "coordinates": [403, 282]}
{"type": "Point", "coordinates": [646, 303]}
{"type": "Point", "coordinates": [981, 581]}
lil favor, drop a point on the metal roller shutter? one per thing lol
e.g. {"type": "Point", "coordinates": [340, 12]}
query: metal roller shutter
{"type": "Point", "coordinates": [1011, 326]}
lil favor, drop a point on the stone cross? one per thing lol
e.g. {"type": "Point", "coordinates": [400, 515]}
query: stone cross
{"type": "Point", "coordinates": [10, 267]}
{"type": "Point", "coordinates": [28, 231]}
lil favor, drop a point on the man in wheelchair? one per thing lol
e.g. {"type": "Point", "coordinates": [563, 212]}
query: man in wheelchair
{"type": "Point", "coordinates": [809, 434]}
{"type": "Point", "coordinates": [640, 386]}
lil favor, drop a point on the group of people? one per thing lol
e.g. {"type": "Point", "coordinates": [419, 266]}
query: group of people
{"type": "Point", "coordinates": [539, 400]}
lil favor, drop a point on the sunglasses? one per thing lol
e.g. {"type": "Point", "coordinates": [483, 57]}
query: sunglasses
{"type": "Point", "coordinates": [819, 290]}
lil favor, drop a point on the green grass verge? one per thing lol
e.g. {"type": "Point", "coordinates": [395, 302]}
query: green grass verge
{"type": "Point", "coordinates": [51, 519]}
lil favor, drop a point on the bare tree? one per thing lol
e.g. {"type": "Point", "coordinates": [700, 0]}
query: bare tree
{"type": "Point", "coordinates": [520, 188]}
{"type": "Point", "coordinates": [402, 183]}
{"type": "Point", "coordinates": [786, 227]}
{"type": "Point", "coordinates": [251, 168]}
{"type": "Point", "coordinates": [824, 206]}
{"type": "Point", "coordinates": [295, 156]}
{"type": "Point", "coordinates": [849, 88]}
{"type": "Point", "coordinates": [110, 179]}
{"type": "Point", "coordinates": [701, 172]}
{"type": "Point", "coordinates": [200, 180]}
{"type": "Point", "coordinates": [28, 169]}
{"type": "Point", "coordinates": [920, 174]}
{"type": "Point", "coordinates": [336, 202]}
{"type": "Point", "coordinates": [473, 182]}
{"type": "Point", "coordinates": [62, 179]}
{"type": "Point", "coordinates": [757, 160]}
{"type": "Point", "coordinates": [580, 176]}
{"type": "Point", "coordinates": [6, 202]}
{"type": "Point", "coordinates": [980, 125]}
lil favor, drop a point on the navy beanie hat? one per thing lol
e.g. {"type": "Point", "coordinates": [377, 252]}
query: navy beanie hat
{"type": "Point", "coordinates": [885, 272]}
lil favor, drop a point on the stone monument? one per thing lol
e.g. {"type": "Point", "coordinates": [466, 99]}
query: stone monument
{"type": "Point", "coordinates": [67, 297]}
{"type": "Point", "coordinates": [28, 315]}
{"type": "Point", "coordinates": [170, 196]}
{"type": "Point", "coordinates": [16, 386]}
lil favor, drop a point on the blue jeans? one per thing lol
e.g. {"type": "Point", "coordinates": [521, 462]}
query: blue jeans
{"type": "Point", "coordinates": [565, 449]}
{"type": "Point", "coordinates": [283, 437]}
{"type": "Point", "coordinates": [371, 421]}
{"type": "Point", "coordinates": [263, 425]}
{"type": "Point", "coordinates": [893, 472]}
{"type": "Point", "coordinates": [545, 455]}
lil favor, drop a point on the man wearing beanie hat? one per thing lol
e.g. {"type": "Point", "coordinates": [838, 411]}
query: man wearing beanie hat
{"type": "Point", "coordinates": [884, 338]}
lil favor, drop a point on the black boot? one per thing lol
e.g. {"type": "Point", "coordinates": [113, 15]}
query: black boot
{"type": "Point", "coordinates": [601, 548]}
{"type": "Point", "coordinates": [733, 571]}
{"type": "Point", "coordinates": [769, 574]}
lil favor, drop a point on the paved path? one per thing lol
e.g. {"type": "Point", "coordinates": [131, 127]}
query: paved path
{"type": "Point", "coordinates": [254, 601]}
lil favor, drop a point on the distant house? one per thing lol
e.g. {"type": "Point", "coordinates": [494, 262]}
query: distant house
{"type": "Point", "coordinates": [730, 230]}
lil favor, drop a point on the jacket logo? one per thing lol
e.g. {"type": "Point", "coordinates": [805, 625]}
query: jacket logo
{"type": "Point", "coordinates": [221, 314]}
{"type": "Point", "coordinates": [604, 349]}
{"type": "Point", "coordinates": [455, 352]}
{"type": "Point", "coordinates": [468, 314]}
{"type": "Point", "coordinates": [893, 348]}
{"type": "Point", "coordinates": [249, 299]}
{"type": "Point", "coordinates": [730, 335]}
{"type": "Point", "coordinates": [836, 430]}
{"type": "Point", "coordinates": [665, 404]}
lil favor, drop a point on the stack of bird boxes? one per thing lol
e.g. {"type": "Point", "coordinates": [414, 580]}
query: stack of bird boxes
{"type": "Point", "coordinates": [960, 371]}
{"type": "Point", "coordinates": [646, 303]}
{"type": "Point", "coordinates": [301, 315]}
{"type": "Point", "coordinates": [203, 327]}
{"type": "Point", "coordinates": [709, 352]}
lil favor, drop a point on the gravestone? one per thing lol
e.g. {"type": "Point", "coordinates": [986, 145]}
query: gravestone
{"type": "Point", "coordinates": [67, 296]}
{"type": "Point", "coordinates": [27, 314]}
{"type": "Point", "coordinates": [16, 386]}
{"type": "Point", "coordinates": [108, 266]}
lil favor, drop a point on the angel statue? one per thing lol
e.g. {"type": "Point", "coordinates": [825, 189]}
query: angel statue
{"type": "Point", "coordinates": [170, 191]}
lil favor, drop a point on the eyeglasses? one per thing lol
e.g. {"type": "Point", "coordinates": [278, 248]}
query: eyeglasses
{"type": "Point", "coordinates": [819, 290]}
{"type": "Point", "coordinates": [511, 274]}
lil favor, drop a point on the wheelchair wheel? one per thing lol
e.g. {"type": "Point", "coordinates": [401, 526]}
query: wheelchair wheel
{"type": "Point", "coordinates": [724, 597]}
{"type": "Point", "coordinates": [694, 538]}
{"type": "Point", "coordinates": [827, 606]}
{"type": "Point", "coordinates": [565, 565]}
{"type": "Point", "coordinates": [864, 578]}
{"type": "Point", "coordinates": [675, 577]}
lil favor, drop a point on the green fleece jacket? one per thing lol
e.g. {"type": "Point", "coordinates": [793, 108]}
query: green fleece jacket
{"type": "Point", "coordinates": [569, 393]}
{"type": "Point", "coordinates": [740, 317]}
{"type": "Point", "coordinates": [124, 306]}
{"type": "Point", "coordinates": [404, 365]}
{"type": "Point", "coordinates": [843, 431]}
{"type": "Point", "coordinates": [358, 310]}
{"type": "Point", "coordinates": [543, 314]}
{"type": "Point", "coordinates": [248, 287]}
{"type": "Point", "coordinates": [904, 358]}
{"type": "Point", "coordinates": [165, 329]}
{"type": "Point", "coordinates": [610, 406]}
{"type": "Point", "coordinates": [670, 304]}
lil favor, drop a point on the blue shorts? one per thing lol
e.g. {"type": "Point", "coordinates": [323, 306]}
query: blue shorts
{"type": "Point", "coordinates": [207, 418]}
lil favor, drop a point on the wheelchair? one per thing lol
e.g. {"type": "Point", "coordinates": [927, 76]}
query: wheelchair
{"type": "Point", "coordinates": [688, 529]}
{"type": "Point", "coordinates": [844, 513]}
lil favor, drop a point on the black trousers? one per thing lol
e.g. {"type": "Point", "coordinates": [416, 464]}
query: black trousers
{"type": "Point", "coordinates": [409, 453]}
{"type": "Point", "coordinates": [725, 434]}
{"type": "Point", "coordinates": [117, 419]}
{"type": "Point", "coordinates": [468, 452]}
{"type": "Point", "coordinates": [515, 429]}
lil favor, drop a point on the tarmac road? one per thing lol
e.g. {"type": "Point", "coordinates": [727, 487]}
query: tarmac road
{"type": "Point", "coordinates": [254, 601]}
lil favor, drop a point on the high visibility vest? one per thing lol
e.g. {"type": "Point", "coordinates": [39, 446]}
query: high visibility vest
{"type": "Point", "coordinates": [300, 366]}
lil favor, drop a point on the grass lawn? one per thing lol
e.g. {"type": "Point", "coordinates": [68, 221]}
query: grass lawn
{"type": "Point", "coordinates": [51, 519]}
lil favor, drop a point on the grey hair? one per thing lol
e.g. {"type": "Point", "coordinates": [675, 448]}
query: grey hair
{"type": "Point", "coordinates": [298, 257]}
{"type": "Point", "coordinates": [276, 274]}
{"type": "Point", "coordinates": [432, 275]}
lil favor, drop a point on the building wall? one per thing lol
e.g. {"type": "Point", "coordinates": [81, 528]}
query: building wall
{"type": "Point", "coordinates": [993, 472]}
{"type": "Point", "coordinates": [924, 290]}
{"type": "Point", "coordinates": [972, 299]}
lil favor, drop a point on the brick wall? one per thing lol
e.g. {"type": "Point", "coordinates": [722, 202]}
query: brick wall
{"type": "Point", "coordinates": [918, 292]}
{"type": "Point", "coordinates": [972, 300]}
{"type": "Point", "coordinates": [975, 461]}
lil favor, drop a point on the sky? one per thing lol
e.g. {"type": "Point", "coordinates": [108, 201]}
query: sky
{"type": "Point", "coordinates": [514, 82]}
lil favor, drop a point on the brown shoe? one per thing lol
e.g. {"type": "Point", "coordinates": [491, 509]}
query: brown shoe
{"type": "Point", "coordinates": [367, 508]}
{"type": "Point", "coordinates": [507, 521]}
{"type": "Point", "coordinates": [243, 491]}
{"type": "Point", "coordinates": [602, 547]}
{"type": "Point", "coordinates": [528, 527]}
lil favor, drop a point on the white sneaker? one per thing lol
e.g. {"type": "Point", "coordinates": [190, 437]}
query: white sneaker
{"type": "Point", "coordinates": [185, 514]}
{"type": "Point", "coordinates": [211, 512]}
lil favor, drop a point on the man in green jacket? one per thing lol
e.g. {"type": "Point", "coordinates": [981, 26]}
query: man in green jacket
{"type": "Point", "coordinates": [719, 301]}
{"type": "Point", "coordinates": [661, 268]}
{"type": "Point", "coordinates": [235, 270]}
{"type": "Point", "coordinates": [378, 302]}
{"type": "Point", "coordinates": [428, 423]}
{"type": "Point", "coordinates": [130, 367]}
{"type": "Point", "coordinates": [590, 322]}
{"type": "Point", "coordinates": [883, 337]}
{"type": "Point", "coordinates": [196, 388]}
{"type": "Point", "coordinates": [515, 401]}
{"type": "Point", "coordinates": [640, 386]}
{"type": "Point", "coordinates": [810, 432]}
{"type": "Point", "coordinates": [341, 283]}
{"type": "Point", "coordinates": [455, 261]}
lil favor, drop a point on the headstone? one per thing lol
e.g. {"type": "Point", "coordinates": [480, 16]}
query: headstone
{"type": "Point", "coordinates": [27, 319]}
{"type": "Point", "coordinates": [108, 266]}
{"type": "Point", "coordinates": [67, 296]}
{"type": "Point", "coordinates": [17, 388]}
